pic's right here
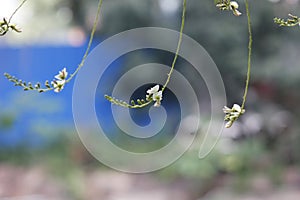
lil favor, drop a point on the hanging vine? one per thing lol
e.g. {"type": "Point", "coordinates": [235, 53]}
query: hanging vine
{"type": "Point", "coordinates": [6, 25]}
{"type": "Point", "coordinates": [154, 94]}
{"type": "Point", "coordinates": [60, 80]}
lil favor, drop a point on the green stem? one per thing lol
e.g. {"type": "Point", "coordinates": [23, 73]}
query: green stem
{"type": "Point", "coordinates": [10, 18]}
{"type": "Point", "coordinates": [178, 45]}
{"type": "Point", "coordinates": [249, 54]}
{"type": "Point", "coordinates": [90, 42]}
{"type": "Point", "coordinates": [124, 104]}
{"type": "Point", "coordinates": [15, 80]}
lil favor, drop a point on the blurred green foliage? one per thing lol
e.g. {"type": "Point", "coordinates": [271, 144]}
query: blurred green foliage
{"type": "Point", "coordinates": [7, 120]}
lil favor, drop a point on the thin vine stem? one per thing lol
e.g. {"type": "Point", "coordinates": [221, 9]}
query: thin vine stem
{"type": "Point", "coordinates": [249, 55]}
{"type": "Point", "coordinates": [16, 10]}
{"type": "Point", "coordinates": [90, 42]}
{"type": "Point", "coordinates": [142, 103]}
{"type": "Point", "coordinates": [29, 86]}
{"type": "Point", "coordinates": [178, 45]}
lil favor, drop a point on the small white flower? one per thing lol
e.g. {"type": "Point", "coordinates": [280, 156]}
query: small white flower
{"type": "Point", "coordinates": [157, 97]}
{"type": "Point", "coordinates": [236, 12]}
{"type": "Point", "coordinates": [154, 94]}
{"type": "Point", "coordinates": [62, 75]}
{"type": "Point", "coordinates": [236, 108]}
{"type": "Point", "coordinates": [226, 110]}
{"type": "Point", "coordinates": [234, 7]}
{"type": "Point", "coordinates": [228, 124]}
{"type": "Point", "coordinates": [58, 85]}
{"type": "Point", "coordinates": [153, 90]}
{"type": "Point", "coordinates": [232, 114]}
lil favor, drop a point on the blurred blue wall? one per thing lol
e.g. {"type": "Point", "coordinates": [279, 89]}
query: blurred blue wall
{"type": "Point", "coordinates": [31, 113]}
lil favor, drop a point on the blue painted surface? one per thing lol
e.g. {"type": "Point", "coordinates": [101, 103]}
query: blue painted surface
{"type": "Point", "coordinates": [40, 117]}
{"type": "Point", "coordinates": [35, 113]}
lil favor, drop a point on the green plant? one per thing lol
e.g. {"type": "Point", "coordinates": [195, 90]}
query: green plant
{"type": "Point", "coordinates": [62, 78]}
{"type": "Point", "coordinates": [154, 94]}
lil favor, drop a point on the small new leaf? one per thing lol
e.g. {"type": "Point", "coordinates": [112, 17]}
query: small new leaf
{"type": "Point", "coordinates": [5, 26]}
{"type": "Point", "coordinates": [29, 85]}
{"type": "Point", "coordinates": [13, 27]}
{"type": "Point", "coordinates": [140, 103]}
{"type": "Point", "coordinates": [117, 102]}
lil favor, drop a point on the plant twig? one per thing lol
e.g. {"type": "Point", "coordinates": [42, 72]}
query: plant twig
{"type": "Point", "coordinates": [178, 45]}
{"type": "Point", "coordinates": [47, 85]}
{"type": "Point", "coordinates": [142, 103]}
{"type": "Point", "coordinates": [90, 42]}
{"type": "Point", "coordinates": [249, 55]}
{"type": "Point", "coordinates": [16, 10]}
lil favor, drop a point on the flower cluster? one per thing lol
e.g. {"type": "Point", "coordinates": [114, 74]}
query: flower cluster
{"type": "Point", "coordinates": [232, 114]}
{"type": "Point", "coordinates": [229, 5]}
{"type": "Point", "coordinates": [60, 81]}
{"type": "Point", "coordinates": [5, 26]}
{"type": "Point", "coordinates": [155, 94]}
{"type": "Point", "coordinates": [291, 21]}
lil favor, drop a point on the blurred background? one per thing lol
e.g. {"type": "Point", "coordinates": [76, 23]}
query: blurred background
{"type": "Point", "coordinates": [41, 156]}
